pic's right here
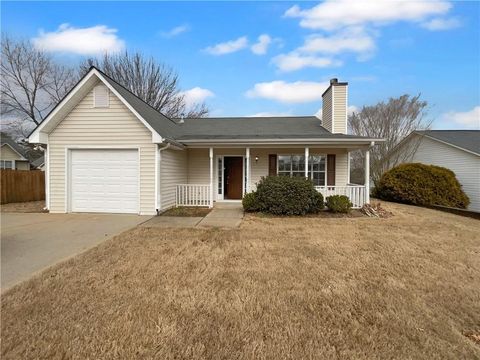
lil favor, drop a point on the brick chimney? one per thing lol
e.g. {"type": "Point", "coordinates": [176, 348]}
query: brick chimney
{"type": "Point", "coordinates": [334, 107]}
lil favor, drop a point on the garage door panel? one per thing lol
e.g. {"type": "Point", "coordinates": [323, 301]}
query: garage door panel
{"type": "Point", "coordinates": [104, 181]}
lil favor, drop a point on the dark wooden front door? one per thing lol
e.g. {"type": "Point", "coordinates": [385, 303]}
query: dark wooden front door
{"type": "Point", "coordinates": [233, 177]}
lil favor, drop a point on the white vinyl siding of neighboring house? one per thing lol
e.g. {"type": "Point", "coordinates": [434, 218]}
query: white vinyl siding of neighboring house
{"type": "Point", "coordinates": [466, 166]}
{"type": "Point", "coordinates": [173, 171]}
{"type": "Point", "coordinates": [113, 126]}
{"type": "Point", "coordinates": [7, 154]}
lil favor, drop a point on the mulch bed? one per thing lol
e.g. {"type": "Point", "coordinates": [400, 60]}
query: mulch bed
{"type": "Point", "coordinates": [187, 212]}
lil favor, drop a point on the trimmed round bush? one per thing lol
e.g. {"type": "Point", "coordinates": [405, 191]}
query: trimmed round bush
{"type": "Point", "coordinates": [249, 202]}
{"type": "Point", "coordinates": [421, 184]}
{"type": "Point", "coordinates": [339, 204]}
{"type": "Point", "coordinates": [283, 195]}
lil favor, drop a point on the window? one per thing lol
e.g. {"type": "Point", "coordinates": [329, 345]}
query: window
{"type": "Point", "coordinates": [100, 96]}
{"type": "Point", "coordinates": [220, 175]}
{"type": "Point", "coordinates": [6, 164]}
{"type": "Point", "coordinates": [316, 169]}
{"type": "Point", "coordinates": [294, 165]}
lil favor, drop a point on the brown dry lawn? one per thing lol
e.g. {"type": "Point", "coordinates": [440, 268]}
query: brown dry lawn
{"type": "Point", "coordinates": [406, 287]}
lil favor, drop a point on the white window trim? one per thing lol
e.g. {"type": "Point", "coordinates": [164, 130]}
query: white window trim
{"type": "Point", "coordinates": [2, 164]}
{"type": "Point", "coordinates": [310, 154]}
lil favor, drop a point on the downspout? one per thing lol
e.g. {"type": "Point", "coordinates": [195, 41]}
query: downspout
{"type": "Point", "coordinates": [159, 177]}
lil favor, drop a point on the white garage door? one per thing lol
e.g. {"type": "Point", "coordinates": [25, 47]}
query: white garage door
{"type": "Point", "coordinates": [104, 181]}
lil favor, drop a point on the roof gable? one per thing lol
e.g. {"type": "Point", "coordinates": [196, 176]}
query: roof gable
{"type": "Point", "coordinates": [6, 140]}
{"type": "Point", "coordinates": [467, 140]}
{"type": "Point", "coordinates": [74, 96]}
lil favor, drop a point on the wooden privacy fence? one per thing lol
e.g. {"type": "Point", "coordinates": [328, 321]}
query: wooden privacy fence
{"type": "Point", "coordinates": [22, 185]}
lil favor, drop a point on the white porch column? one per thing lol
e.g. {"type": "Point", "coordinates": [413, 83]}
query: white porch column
{"type": "Point", "coordinates": [46, 165]}
{"type": "Point", "coordinates": [367, 176]}
{"type": "Point", "coordinates": [211, 177]}
{"type": "Point", "coordinates": [247, 169]}
{"type": "Point", "coordinates": [307, 150]}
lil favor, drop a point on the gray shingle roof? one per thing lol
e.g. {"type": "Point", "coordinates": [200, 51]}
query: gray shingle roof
{"type": "Point", "coordinates": [465, 139]}
{"type": "Point", "coordinates": [38, 162]}
{"type": "Point", "coordinates": [159, 122]}
{"type": "Point", "coordinates": [290, 127]}
{"type": "Point", "coordinates": [300, 127]}
{"type": "Point", "coordinates": [5, 139]}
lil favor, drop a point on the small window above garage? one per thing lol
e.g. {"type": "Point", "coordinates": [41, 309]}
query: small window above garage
{"type": "Point", "coordinates": [100, 96]}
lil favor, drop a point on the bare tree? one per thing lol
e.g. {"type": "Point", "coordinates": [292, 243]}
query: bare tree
{"type": "Point", "coordinates": [393, 121]}
{"type": "Point", "coordinates": [31, 84]}
{"type": "Point", "coordinates": [155, 83]}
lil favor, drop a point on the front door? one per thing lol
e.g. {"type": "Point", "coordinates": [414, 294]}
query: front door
{"type": "Point", "coordinates": [233, 177]}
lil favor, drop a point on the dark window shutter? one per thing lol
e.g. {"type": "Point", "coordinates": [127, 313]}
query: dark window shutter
{"type": "Point", "coordinates": [272, 164]}
{"type": "Point", "coordinates": [331, 169]}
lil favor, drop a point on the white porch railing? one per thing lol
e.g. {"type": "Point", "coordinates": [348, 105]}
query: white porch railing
{"type": "Point", "coordinates": [356, 193]}
{"type": "Point", "coordinates": [193, 195]}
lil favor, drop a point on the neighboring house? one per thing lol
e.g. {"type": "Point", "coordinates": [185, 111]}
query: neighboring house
{"type": "Point", "coordinates": [39, 164]}
{"type": "Point", "coordinates": [12, 155]}
{"type": "Point", "coordinates": [457, 150]}
{"type": "Point", "coordinates": [108, 151]}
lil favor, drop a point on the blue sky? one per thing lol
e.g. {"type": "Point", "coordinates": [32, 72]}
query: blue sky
{"type": "Point", "coordinates": [247, 58]}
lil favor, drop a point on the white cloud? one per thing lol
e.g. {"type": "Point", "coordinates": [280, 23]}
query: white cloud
{"type": "Point", "coordinates": [353, 39]}
{"type": "Point", "coordinates": [176, 31]}
{"type": "Point", "coordinates": [468, 119]}
{"type": "Point", "coordinates": [270, 114]}
{"type": "Point", "coordinates": [261, 47]}
{"type": "Point", "coordinates": [83, 41]}
{"type": "Point", "coordinates": [196, 95]}
{"type": "Point", "coordinates": [295, 92]}
{"type": "Point", "coordinates": [439, 24]}
{"type": "Point", "coordinates": [228, 47]}
{"type": "Point", "coordinates": [295, 61]}
{"type": "Point", "coordinates": [336, 14]}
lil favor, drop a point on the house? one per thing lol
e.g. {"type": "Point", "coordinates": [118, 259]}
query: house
{"type": "Point", "coordinates": [12, 155]}
{"type": "Point", "coordinates": [108, 151]}
{"type": "Point", "coordinates": [457, 150]}
{"type": "Point", "coordinates": [39, 164]}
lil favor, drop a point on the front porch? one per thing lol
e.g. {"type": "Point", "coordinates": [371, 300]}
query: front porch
{"type": "Point", "coordinates": [227, 174]}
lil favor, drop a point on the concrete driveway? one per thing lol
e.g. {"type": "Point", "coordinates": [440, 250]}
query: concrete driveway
{"type": "Point", "coordinates": [32, 242]}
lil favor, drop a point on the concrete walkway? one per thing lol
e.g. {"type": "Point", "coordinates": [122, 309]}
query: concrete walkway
{"type": "Point", "coordinates": [224, 215]}
{"type": "Point", "coordinates": [33, 242]}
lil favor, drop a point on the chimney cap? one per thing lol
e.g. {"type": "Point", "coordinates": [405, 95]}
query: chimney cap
{"type": "Point", "coordinates": [334, 82]}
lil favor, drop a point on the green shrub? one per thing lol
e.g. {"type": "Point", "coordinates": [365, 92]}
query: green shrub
{"type": "Point", "coordinates": [249, 202]}
{"type": "Point", "coordinates": [339, 204]}
{"type": "Point", "coordinates": [283, 195]}
{"type": "Point", "coordinates": [421, 184]}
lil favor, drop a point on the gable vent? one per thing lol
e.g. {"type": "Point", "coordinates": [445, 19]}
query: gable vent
{"type": "Point", "coordinates": [100, 96]}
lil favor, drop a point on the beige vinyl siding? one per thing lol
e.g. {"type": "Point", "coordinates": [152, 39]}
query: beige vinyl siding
{"type": "Point", "coordinates": [22, 165]}
{"type": "Point", "coordinates": [6, 153]}
{"type": "Point", "coordinates": [199, 166]}
{"type": "Point", "coordinates": [327, 104]}
{"type": "Point", "coordinates": [114, 126]}
{"type": "Point", "coordinates": [466, 166]}
{"type": "Point", "coordinates": [173, 171]}
{"type": "Point", "coordinates": [340, 113]}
